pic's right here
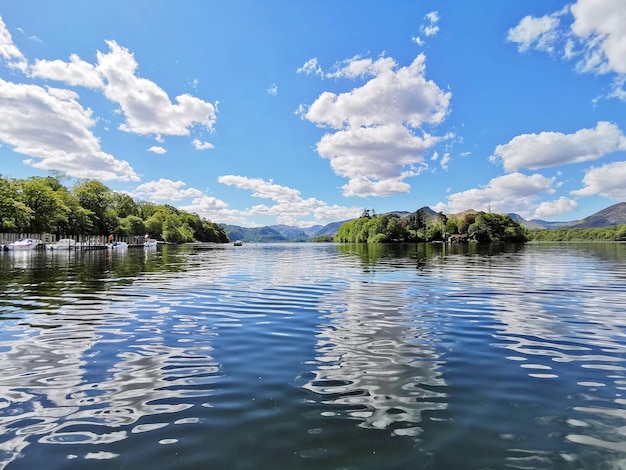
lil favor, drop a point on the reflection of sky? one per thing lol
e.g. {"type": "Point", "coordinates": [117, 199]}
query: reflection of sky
{"type": "Point", "coordinates": [376, 361]}
{"type": "Point", "coordinates": [64, 383]}
{"type": "Point", "coordinates": [560, 317]}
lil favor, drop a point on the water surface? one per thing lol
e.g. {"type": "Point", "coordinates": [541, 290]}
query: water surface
{"type": "Point", "coordinates": [314, 356]}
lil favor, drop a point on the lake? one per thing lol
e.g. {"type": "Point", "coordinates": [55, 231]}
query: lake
{"type": "Point", "coordinates": [314, 356]}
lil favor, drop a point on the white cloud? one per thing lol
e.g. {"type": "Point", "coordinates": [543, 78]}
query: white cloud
{"type": "Point", "coordinates": [538, 32]}
{"type": "Point", "coordinates": [607, 180]}
{"type": "Point", "coordinates": [9, 51]}
{"type": "Point", "coordinates": [200, 145]}
{"type": "Point", "coordinates": [290, 204]}
{"type": "Point", "coordinates": [165, 190]}
{"type": "Point", "coordinates": [378, 139]}
{"type": "Point", "coordinates": [357, 67]}
{"type": "Point", "coordinates": [261, 188]}
{"type": "Point", "coordinates": [157, 149]}
{"type": "Point", "coordinates": [445, 161]}
{"type": "Point", "coordinates": [311, 67]}
{"type": "Point", "coordinates": [596, 37]}
{"type": "Point", "coordinates": [75, 72]}
{"type": "Point", "coordinates": [514, 192]}
{"type": "Point", "coordinates": [273, 89]}
{"type": "Point", "coordinates": [215, 210]}
{"type": "Point", "coordinates": [363, 187]}
{"type": "Point", "coordinates": [429, 29]}
{"type": "Point", "coordinates": [599, 24]}
{"type": "Point", "coordinates": [548, 149]}
{"type": "Point", "coordinates": [146, 106]}
{"type": "Point", "coordinates": [51, 127]}
{"type": "Point", "coordinates": [559, 206]}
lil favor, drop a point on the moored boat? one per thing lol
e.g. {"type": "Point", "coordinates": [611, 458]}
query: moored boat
{"type": "Point", "coordinates": [62, 244]}
{"type": "Point", "coordinates": [238, 243]}
{"type": "Point", "coordinates": [150, 243]}
{"type": "Point", "coordinates": [23, 244]}
{"type": "Point", "coordinates": [117, 246]}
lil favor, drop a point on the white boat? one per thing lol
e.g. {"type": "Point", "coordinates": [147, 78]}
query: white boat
{"type": "Point", "coordinates": [62, 244]}
{"type": "Point", "coordinates": [117, 246]}
{"type": "Point", "coordinates": [238, 243]}
{"type": "Point", "coordinates": [150, 243]}
{"type": "Point", "coordinates": [23, 244]}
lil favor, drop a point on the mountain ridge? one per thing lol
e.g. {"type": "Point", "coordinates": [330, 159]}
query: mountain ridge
{"type": "Point", "coordinates": [611, 215]}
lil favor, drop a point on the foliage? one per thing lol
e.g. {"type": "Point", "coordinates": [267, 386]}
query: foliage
{"type": "Point", "coordinates": [323, 239]}
{"type": "Point", "coordinates": [378, 229]}
{"type": "Point", "coordinates": [45, 205]}
{"type": "Point", "coordinates": [422, 226]}
{"type": "Point", "coordinates": [611, 233]}
{"type": "Point", "coordinates": [488, 227]}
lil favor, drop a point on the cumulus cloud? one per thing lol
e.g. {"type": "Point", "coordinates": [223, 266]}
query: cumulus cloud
{"type": "Point", "coordinates": [50, 126]}
{"type": "Point", "coordinates": [165, 190]}
{"type": "Point", "coordinates": [540, 33]}
{"type": "Point", "coordinates": [215, 210]}
{"type": "Point", "coordinates": [559, 206]}
{"type": "Point", "coordinates": [589, 31]}
{"type": "Point", "coordinates": [290, 205]}
{"type": "Point", "coordinates": [273, 89]}
{"type": "Point", "coordinates": [76, 72]}
{"type": "Point", "coordinates": [546, 149]}
{"type": "Point", "coordinates": [200, 145]}
{"type": "Point", "coordinates": [376, 138]}
{"type": "Point", "coordinates": [261, 188]}
{"type": "Point", "coordinates": [146, 106]}
{"type": "Point", "coordinates": [599, 25]}
{"type": "Point", "coordinates": [514, 192]}
{"type": "Point", "coordinates": [9, 51]}
{"type": "Point", "coordinates": [157, 149]}
{"type": "Point", "coordinates": [607, 180]}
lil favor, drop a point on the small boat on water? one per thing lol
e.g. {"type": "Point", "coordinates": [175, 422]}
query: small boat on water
{"type": "Point", "coordinates": [117, 246]}
{"type": "Point", "coordinates": [238, 243]}
{"type": "Point", "coordinates": [23, 244]}
{"type": "Point", "coordinates": [150, 243]}
{"type": "Point", "coordinates": [62, 244]}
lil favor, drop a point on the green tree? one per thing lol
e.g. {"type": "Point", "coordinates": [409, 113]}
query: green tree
{"type": "Point", "coordinates": [49, 211]}
{"type": "Point", "coordinates": [96, 198]}
{"type": "Point", "coordinates": [15, 216]}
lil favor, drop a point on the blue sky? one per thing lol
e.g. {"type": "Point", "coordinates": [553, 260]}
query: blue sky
{"type": "Point", "coordinates": [262, 112]}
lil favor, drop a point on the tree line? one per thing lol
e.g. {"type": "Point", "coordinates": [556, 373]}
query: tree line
{"type": "Point", "coordinates": [423, 225]}
{"type": "Point", "coordinates": [46, 205]}
{"type": "Point", "coordinates": [611, 233]}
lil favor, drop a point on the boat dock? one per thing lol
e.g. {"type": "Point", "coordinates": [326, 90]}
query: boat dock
{"type": "Point", "coordinates": [77, 243]}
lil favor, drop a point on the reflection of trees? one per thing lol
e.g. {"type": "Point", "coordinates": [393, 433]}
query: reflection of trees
{"type": "Point", "coordinates": [376, 358]}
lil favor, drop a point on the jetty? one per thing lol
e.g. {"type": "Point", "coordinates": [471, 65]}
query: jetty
{"type": "Point", "coordinates": [81, 243]}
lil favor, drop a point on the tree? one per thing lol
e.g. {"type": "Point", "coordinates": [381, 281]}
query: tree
{"type": "Point", "coordinates": [124, 205]}
{"type": "Point", "coordinates": [14, 214]}
{"type": "Point", "coordinates": [96, 198]}
{"type": "Point", "coordinates": [42, 196]}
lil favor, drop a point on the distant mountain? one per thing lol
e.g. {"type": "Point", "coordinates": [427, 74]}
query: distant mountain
{"type": "Point", "coordinates": [330, 230]}
{"type": "Point", "coordinates": [260, 234]}
{"type": "Point", "coordinates": [293, 234]}
{"type": "Point", "coordinates": [613, 215]}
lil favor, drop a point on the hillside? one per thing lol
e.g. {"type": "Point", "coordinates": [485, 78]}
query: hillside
{"type": "Point", "coordinates": [612, 215]}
